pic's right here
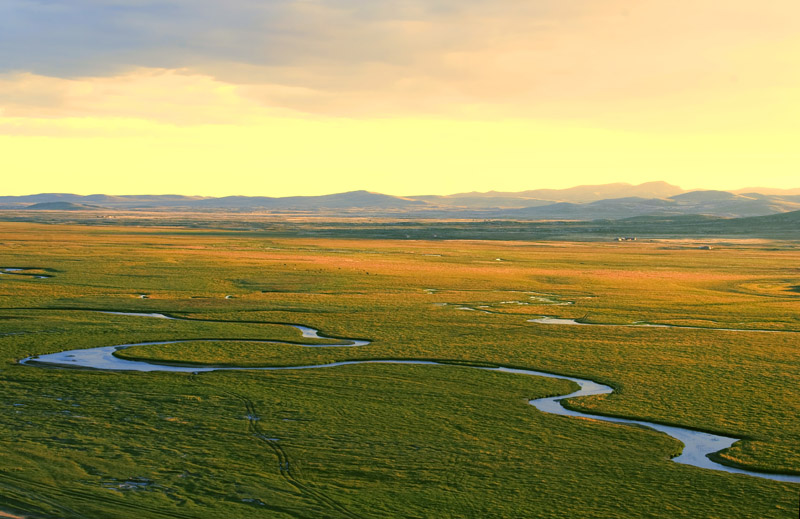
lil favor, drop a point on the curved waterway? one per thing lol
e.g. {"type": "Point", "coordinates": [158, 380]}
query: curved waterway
{"type": "Point", "coordinates": [306, 331]}
{"type": "Point", "coordinates": [575, 322]}
{"type": "Point", "coordinates": [697, 445]}
{"type": "Point", "coordinates": [21, 271]}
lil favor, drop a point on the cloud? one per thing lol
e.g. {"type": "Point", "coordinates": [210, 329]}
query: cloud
{"type": "Point", "coordinates": [169, 96]}
{"type": "Point", "coordinates": [89, 37]}
{"type": "Point", "coordinates": [615, 62]}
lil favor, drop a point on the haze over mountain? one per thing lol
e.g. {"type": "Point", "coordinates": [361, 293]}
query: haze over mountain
{"type": "Point", "coordinates": [592, 193]}
{"type": "Point", "coordinates": [716, 203]}
{"type": "Point", "coordinates": [607, 201]}
{"type": "Point", "coordinates": [767, 191]}
{"type": "Point", "coordinates": [349, 200]}
{"type": "Point", "coordinates": [541, 197]}
{"type": "Point", "coordinates": [62, 206]}
{"type": "Point", "coordinates": [107, 201]}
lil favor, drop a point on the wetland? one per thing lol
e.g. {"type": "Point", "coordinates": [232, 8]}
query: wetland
{"type": "Point", "coordinates": [388, 431]}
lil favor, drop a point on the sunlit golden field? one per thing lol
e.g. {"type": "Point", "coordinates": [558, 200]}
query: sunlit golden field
{"type": "Point", "coordinates": [393, 440]}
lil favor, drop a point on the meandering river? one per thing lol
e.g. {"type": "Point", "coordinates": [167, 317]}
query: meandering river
{"type": "Point", "coordinates": [697, 445]}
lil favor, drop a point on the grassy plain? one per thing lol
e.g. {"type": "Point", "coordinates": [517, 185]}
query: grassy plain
{"type": "Point", "coordinates": [383, 440]}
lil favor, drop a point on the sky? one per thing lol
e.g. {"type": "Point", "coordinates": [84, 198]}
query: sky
{"type": "Point", "coordinates": [404, 97]}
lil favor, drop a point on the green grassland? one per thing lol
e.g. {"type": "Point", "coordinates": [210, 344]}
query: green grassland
{"type": "Point", "coordinates": [392, 440]}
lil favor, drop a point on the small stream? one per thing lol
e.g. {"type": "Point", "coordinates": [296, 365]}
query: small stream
{"type": "Point", "coordinates": [575, 322]}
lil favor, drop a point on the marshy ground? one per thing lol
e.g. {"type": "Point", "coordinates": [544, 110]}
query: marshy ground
{"type": "Point", "coordinates": [384, 440]}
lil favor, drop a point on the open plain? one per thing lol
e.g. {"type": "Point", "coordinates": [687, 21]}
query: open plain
{"type": "Point", "coordinates": [392, 440]}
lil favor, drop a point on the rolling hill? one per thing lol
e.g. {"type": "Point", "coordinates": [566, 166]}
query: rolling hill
{"type": "Point", "coordinates": [585, 203]}
{"type": "Point", "coordinates": [62, 206]}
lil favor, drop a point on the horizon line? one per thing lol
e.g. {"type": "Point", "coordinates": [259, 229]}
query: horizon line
{"type": "Point", "coordinates": [742, 189]}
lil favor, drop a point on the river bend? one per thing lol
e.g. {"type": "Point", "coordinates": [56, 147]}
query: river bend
{"type": "Point", "coordinates": [697, 444]}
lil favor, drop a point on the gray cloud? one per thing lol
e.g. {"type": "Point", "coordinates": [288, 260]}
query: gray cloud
{"type": "Point", "coordinates": [87, 37]}
{"type": "Point", "coordinates": [387, 56]}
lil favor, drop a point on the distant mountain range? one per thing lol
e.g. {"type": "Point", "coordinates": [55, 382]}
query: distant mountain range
{"type": "Point", "coordinates": [715, 203]}
{"type": "Point", "coordinates": [607, 201]}
{"type": "Point", "coordinates": [540, 197]}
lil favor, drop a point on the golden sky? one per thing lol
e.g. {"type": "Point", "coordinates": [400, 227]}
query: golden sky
{"type": "Point", "coordinates": [287, 97]}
